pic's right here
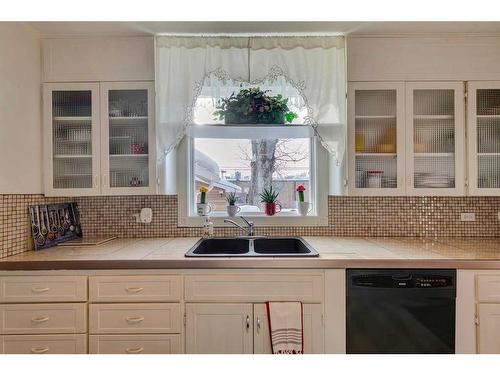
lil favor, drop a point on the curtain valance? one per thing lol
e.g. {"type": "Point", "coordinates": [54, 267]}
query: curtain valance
{"type": "Point", "coordinates": [315, 66]}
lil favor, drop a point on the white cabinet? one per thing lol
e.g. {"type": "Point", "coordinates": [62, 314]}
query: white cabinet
{"type": "Point", "coordinates": [243, 328]}
{"type": "Point", "coordinates": [313, 329]}
{"type": "Point", "coordinates": [376, 138]}
{"type": "Point", "coordinates": [99, 139]}
{"type": "Point", "coordinates": [127, 138]}
{"type": "Point", "coordinates": [406, 138]}
{"type": "Point", "coordinates": [435, 138]}
{"type": "Point", "coordinates": [219, 328]}
{"type": "Point", "coordinates": [488, 334]}
{"type": "Point", "coordinates": [71, 139]}
{"type": "Point", "coordinates": [484, 137]}
{"type": "Point", "coordinates": [98, 59]}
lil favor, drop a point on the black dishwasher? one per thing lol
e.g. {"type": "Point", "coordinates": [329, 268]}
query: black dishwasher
{"type": "Point", "coordinates": [401, 311]}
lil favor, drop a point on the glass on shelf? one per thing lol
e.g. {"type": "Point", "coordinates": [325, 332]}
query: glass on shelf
{"type": "Point", "coordinates": [128, 103]}
{"type": "Point", "coordinates": [375, 171]}
{"type": "Point", "coordinates": [488, 102]}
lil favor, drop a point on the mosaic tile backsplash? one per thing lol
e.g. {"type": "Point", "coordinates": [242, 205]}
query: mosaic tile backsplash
{"type": "Point", "coordinates": [347, 216]}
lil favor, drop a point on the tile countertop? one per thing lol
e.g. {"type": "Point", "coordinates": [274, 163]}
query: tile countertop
{"type": "Point", "coordinates": [335, 252]}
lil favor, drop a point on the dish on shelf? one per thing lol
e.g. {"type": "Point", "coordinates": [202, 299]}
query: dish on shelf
{"type": "Point", "coordinates": [386, 148]}
{"type": "Point", "coordinates": [419, 147]}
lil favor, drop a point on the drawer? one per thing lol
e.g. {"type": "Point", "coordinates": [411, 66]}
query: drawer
{"type": "Point", "coordinates": [135, 288]}
{"type": "Point", "coordinates": [135, 344]}
{"type": "Point", "coordinates": [135, 318]}
{"type": "Point", "coordinates": [488, 288]}
{"type": "Point", "coordinates": [254, 288]}
{"type": "Point", "coordinates": [43, 318]}
{"type": "Point", "coordinates": [43, 289]}
{"type": "Point", "coordinates": [44, 344]}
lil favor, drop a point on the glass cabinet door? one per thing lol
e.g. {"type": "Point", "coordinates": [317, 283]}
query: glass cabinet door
{"type": "Point", "coordinates": [72, 151]}
{"type": "Point", "coordinates": [377, 137]}
{"type": "Point", "coordinates": [435, 142]}
{"type": "Point", "coordinates": [484, 139]}
{"type": "Point", "coordinates": [127, 138]}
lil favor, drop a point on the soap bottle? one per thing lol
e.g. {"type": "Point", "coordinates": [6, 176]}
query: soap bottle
{"type": "Point", "coordinates": [208, 228]}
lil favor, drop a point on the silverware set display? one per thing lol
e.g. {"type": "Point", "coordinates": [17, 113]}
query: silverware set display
{"type": "Point", "coordinates": [51, 224]}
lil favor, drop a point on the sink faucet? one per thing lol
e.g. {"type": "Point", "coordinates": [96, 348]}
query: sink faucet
{"type": "Point", "coordinates": [249, 229]}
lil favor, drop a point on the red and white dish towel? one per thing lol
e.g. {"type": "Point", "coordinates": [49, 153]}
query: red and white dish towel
{"type": "Point", "coordinates": [286, 326]}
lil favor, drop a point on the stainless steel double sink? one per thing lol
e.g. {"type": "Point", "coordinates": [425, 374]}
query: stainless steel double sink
{"type": "Point", "coordinates": [252, 247]}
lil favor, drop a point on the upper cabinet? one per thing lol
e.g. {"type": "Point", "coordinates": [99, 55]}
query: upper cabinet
{"type": "Point", "coordinates": [406, 138]}
{"type": "Point", "coordinates": [484, 137]}
{"type": "Point", "coordinates": [71, 139]}
{"type": "Point", "coordinates": [98, 59]}
{"type": "Point", "coordinates": [99, 139]}
{"type": "Point", "coordinates": [376, 138]}
{"type": "Point", "coordinates": [435, 138]}
{"type": "Point", "coordinates": [127, 138]}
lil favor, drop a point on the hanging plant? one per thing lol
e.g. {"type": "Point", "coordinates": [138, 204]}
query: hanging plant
{"type": "Point", "coordinates": [254, 106]}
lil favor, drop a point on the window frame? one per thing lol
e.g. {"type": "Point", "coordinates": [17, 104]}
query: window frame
{"type": "Point", "coordinates": [318, 181]}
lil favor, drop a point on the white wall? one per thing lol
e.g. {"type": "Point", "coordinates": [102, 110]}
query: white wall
{"type": "Point", "coordinates": [20, 110]}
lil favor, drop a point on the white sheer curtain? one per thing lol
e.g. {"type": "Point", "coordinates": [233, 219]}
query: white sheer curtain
{"type": "Point", "coordinates": [181, 67]}
{"type": "Point", "coordinates": [314, 66]}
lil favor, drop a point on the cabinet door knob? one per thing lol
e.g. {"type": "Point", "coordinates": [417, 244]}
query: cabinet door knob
{"type": "Point", "coordinates": [258, 323]}
{"type": "Point", "coordinates": [248, 322]}
{"type": "Point", "coordinates": [39, 290]}
{"type": "Point", "coordinates": [40, 320]}
{"type": "Point", "coordinates": [134, 320]}
{"type": "Point", "coordinates": [39, 350]}
{"type": "Point", "coordinates": [134, 350]}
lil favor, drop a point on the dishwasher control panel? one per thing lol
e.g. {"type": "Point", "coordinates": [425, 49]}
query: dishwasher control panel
{"type": "Point", "coordinates": [403, 280]}
{"type": "Point", "coordinates": [432, 281]}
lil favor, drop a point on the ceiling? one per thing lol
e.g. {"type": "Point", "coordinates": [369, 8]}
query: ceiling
{"type": "Point", "coordinates": [56, 29]}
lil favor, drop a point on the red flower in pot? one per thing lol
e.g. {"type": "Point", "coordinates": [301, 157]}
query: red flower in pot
{"type": "Point", "coordinates": [268, 197]}
{"type": "Point", "coordinates": [300, 189]}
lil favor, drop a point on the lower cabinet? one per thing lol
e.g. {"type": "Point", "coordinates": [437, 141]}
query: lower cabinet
{"type": "Point", "coordinates": [313, 329]}
{"type": "Point", "coordinates": [488, 331]}
{"type": "Point", "coordinates": [241, 328]}
{"type": "Point", "coordinates": [135, 344]}
{"type": "Point", "coordinates": [44, 344]}
{"type": "Point", "coordinates": [219, 328]}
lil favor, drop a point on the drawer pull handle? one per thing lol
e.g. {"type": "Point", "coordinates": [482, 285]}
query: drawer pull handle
{"type": "Point", "coordinates": [39, 290]}
{"type": "Point", "coordinates": [134, 290]}
{"type": "Point", "coordinates": [134, 320]}
{"type": "Point", "coordinates": [40, 320]}
{"type": "Point", "coordinates": [39, 350]}
{"type": "Point", "coordinates": [134, 350]}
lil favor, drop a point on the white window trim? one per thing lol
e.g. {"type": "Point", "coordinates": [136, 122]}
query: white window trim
{"type": "Point", "coordinates": [319, 181]}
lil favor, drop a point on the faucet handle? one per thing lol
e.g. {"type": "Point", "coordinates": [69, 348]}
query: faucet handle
{"type": "Point", "coordinates": [249, 222]}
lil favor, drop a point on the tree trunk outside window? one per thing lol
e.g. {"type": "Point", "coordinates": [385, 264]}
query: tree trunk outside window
{"type": "Point", "coordinates": [263, 165]}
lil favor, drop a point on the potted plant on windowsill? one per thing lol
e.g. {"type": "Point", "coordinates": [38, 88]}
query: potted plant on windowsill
{"type": "Point", "coordinates": [303, 206]}
{"type": "Point", "coordinates": [203, 208]}
{"type": "Point", "coordinates": [254, 106]}
{"type": "Point", "coordinates": [268, 197]}
{"type": "Point", "coordinates": [232, 208]}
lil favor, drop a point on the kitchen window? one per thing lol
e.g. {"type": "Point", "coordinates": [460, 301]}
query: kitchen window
{"type": "Point", "coordinates": [245, 159]}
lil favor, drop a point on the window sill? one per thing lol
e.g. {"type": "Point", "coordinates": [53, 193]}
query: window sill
{"type": "Point", "coordinates": [290, 220]}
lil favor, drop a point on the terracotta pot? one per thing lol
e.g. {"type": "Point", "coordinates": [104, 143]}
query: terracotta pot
{"type": "Point", "coordinates": [270, 208]}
